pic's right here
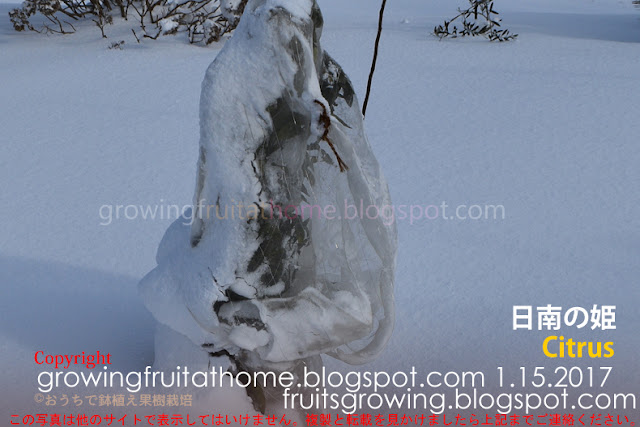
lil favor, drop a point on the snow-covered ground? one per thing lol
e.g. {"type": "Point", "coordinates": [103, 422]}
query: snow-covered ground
{"type": "Point", "coordinates": [546, 126]}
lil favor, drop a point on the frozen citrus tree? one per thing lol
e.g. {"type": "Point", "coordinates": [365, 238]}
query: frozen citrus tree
{"type": "Point", "coordinates": [281, 134]}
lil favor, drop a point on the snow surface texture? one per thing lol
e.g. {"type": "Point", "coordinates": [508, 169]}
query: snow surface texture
{"type": "Point", "coordinates": [272, 289]}
{"type": "Point", "coordinates": [546, 126]}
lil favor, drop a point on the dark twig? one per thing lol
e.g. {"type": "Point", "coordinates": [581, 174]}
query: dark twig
{"type": "Point", "coordinates": [375, 59]}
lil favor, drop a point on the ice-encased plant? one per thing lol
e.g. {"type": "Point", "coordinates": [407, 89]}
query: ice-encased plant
{"type": "Point", "coordinates": [280, 126]}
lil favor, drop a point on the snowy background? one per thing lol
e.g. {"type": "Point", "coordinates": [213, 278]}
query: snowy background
{"type": "Point", "coordinates": [546, 126]}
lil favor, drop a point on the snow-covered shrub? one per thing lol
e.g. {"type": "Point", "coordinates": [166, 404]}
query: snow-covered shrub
{"type": "Point", "coordinates": [478, 20]}
{"type": "Point", "coordinates": [232, 9]}
{"type": "Point", "coordinates": [281, 134]}
{"type": "Point", "coordinates": [204, 21]}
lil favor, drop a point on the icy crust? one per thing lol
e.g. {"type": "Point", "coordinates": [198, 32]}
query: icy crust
{"type": "Point", "coordinates": [270, 289]}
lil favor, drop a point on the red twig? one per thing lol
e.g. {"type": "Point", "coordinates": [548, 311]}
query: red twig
{"type": "Point", "coordinates": [325, 121]}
